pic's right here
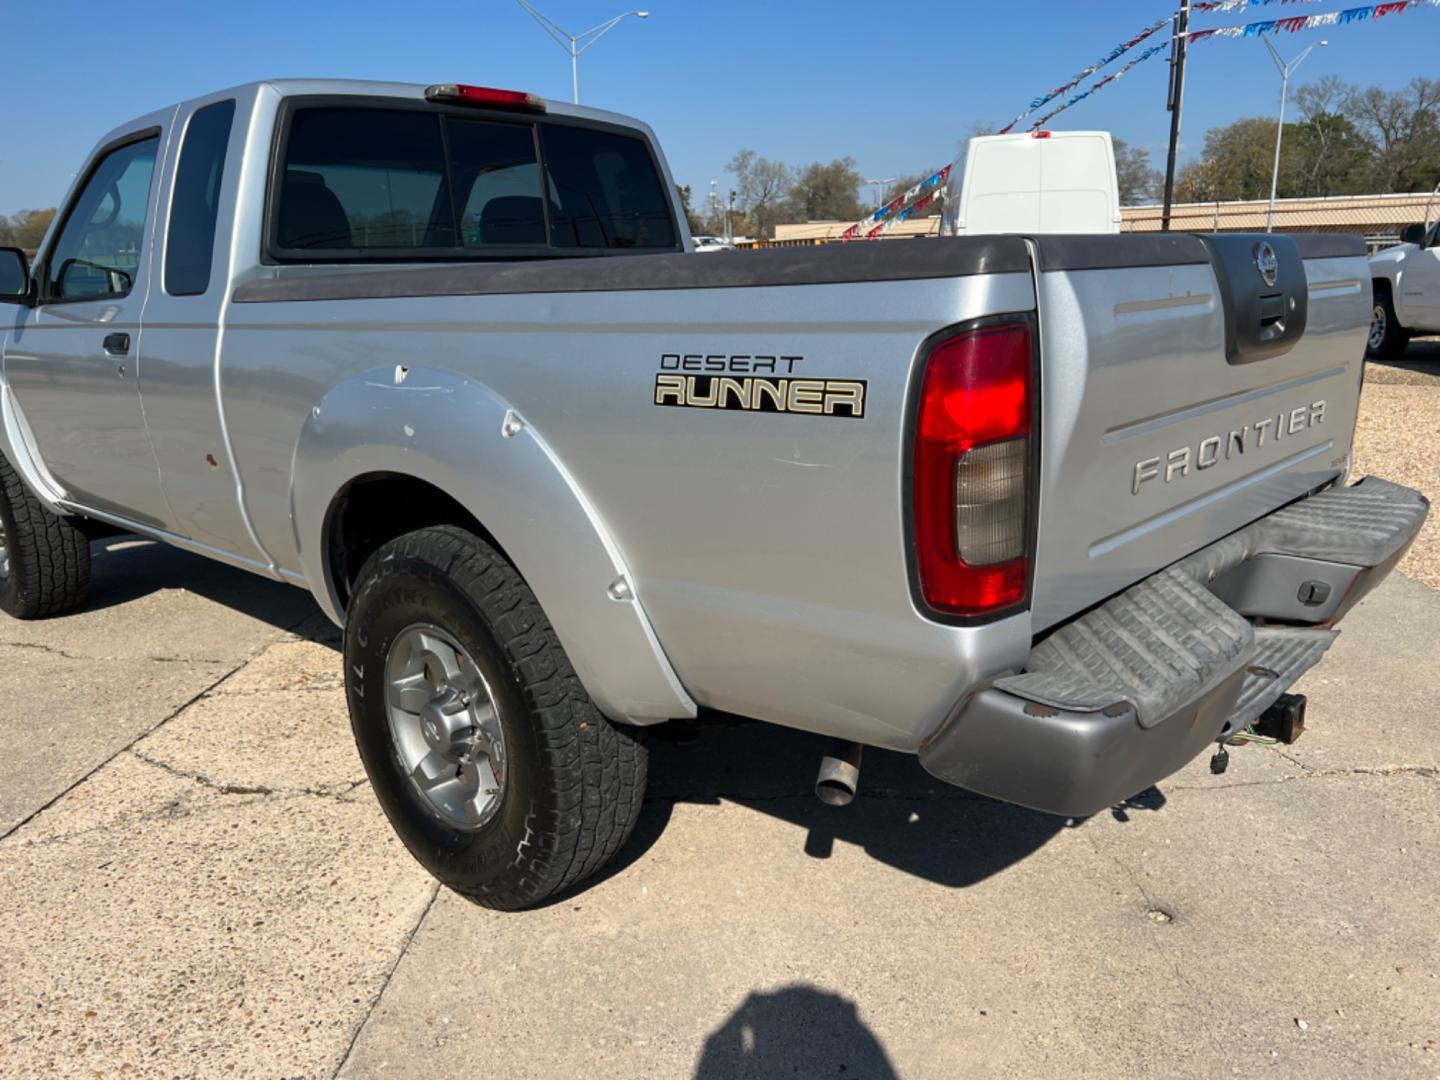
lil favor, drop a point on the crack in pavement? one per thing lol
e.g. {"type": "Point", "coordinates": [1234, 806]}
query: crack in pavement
{"type": "Point", "coordinates": [236, 666]}
{"type": "Point", "coordinates": [51, 650]}
{"type": "Point", "coordinates": [225, 787]}
{"type": "Point", "coordinates": [169, 810]}
{"type": "Point", "coordinates": [1314, 772]}
{"type": "Point", "coordinates": [261, 692]}
{"type": "Point", "coordinates": [385, 983]}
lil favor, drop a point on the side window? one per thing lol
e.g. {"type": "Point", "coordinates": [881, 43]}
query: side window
{"type": "Point", "coordinates": [190, 239]}
{"type": "Point", "coordinates": [98, 251]}
{"type": "Point", "coordinates": [497, 183]}
{"type": "Point", "coordinates": [609, 192]}
{"type": "Point", "coordinates": [364, 180]}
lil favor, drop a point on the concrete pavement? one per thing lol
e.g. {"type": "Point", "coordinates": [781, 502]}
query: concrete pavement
{"type": "Point", "coordinates": [203, 885]}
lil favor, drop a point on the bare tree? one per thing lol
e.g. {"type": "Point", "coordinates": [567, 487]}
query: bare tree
{"type": "Point", "coordinates": [762, 188]}
{"type": "Point", "coordinates": [1404, 126]}
{"type": "Point", "coordinates": [1138, 182]}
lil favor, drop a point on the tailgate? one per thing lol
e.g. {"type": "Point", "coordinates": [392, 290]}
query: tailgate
{"type": "Point", "coordinates": [1189, 385]}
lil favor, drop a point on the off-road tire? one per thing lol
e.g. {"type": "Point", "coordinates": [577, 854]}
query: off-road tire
{"type": "Point", "coordinates": [49, 555]}
{"type": "Point", "coordinates": [574, 781]}
{"type": "Point", "coordinates": [1388, 338]}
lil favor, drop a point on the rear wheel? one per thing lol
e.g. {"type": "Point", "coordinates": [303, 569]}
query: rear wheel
{"type": "Point", "coordinates": [44, 558]}
{"type": "Point", "coordinates": [1387, 337]}
{"type": "Point", "coordinates": [488, 757]}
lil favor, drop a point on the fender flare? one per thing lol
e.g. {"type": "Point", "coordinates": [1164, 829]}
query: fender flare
{"type": "Point", "coordinates": [464, 439]}
{"type": "Point", "coordinates": [16, 443]}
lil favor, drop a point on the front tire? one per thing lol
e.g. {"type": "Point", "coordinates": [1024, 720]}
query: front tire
{"type": "Point", "coordinates": [1388, 338]}
{"type": "Point", "coordinates": [44, 558]}
{"type": "Point", "coordinates": [494, 767]}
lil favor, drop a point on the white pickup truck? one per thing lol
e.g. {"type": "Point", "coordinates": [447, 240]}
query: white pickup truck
{"type": "Point", "coordinates": [1054, 513]}
{"type": "Point", "coordinates": [1406, 283]}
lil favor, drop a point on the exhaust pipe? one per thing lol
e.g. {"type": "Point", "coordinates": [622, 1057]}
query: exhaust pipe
{"type": "Point", "coordinates": [839, 776]}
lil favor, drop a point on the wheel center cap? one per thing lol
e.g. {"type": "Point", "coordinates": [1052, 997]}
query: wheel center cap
{"type": "Point", "coordinates": [445, 723]}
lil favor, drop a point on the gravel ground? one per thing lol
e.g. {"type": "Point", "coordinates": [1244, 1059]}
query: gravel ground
{"type": "Point", "coordinates": [1398, 437]}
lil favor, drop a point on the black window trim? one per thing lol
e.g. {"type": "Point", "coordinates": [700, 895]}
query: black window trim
{"type": "Point", "coordinates": [181, 142]}
{"type": "Point", "coordinates": [41, 272]}
{"type": "Point", "coordinates": [273, 254]}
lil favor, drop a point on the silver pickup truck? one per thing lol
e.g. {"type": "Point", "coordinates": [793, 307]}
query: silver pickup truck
{"type": "Point", "coordinates": [1055, 513]}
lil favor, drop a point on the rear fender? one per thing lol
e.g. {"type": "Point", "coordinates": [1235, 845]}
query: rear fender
{"type": "Point", "coordinates": [463, 438]}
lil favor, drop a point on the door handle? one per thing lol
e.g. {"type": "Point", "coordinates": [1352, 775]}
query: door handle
{"type": "Point", "coordinates": [117, 344]}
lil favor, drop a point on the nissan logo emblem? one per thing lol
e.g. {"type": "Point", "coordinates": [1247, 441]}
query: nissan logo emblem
{"type": "Point", "coordinates": [1266, 262]}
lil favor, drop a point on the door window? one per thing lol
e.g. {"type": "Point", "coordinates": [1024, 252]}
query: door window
{"type": "Point", "coordinates": [98, 252]}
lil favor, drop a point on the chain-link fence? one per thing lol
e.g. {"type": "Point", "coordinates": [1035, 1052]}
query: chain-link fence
{"type": "Point", "coordinates": [1378, 218]}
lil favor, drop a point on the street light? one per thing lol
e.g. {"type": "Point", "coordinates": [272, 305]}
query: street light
{"type": "Point", "coordinates": [575, 44]}
{"type": "Point", "coordinates": [880, 186]}
{"type": "Point", "coordinates": [1285, 70]}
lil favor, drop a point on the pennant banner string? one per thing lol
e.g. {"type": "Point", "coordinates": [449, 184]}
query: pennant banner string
{"type": "Point", "coordinates": [1311, 22]}
{"type": "Point", "coordinates": [1113, 54]}
{"type": "Point", "coordinates": [1106, 81]}
{"type": "Point", "coordinates": [1207, 6]}
{"type": "Point", "coordinates": [892, 208]}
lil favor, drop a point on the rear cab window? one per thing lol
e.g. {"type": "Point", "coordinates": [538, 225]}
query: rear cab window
{"type": "Point", "coordinates": [386, 181]}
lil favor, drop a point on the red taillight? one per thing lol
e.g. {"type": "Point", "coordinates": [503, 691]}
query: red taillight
{"type": "Point", "coordinates": [970, 497]}
{"type": "Point", "coordinates": [1039, 134]}
{"type": "Point", "coordinates": [460, 94]}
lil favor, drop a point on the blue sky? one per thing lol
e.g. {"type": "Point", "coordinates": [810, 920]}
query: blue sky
{"type": "Point", "coordinates": [895, 86]}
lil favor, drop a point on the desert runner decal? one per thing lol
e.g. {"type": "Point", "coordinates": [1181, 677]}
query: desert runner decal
{"type": "Point", "coordinates": [758, 383]}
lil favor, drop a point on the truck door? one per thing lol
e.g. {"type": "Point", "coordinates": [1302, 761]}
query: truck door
{"type": "Point", "coordinates": [73, 359]}
{"type": "Point", "coordinates": [182, 337]}
{"type": "Point", "coordinates": [1420, 285]}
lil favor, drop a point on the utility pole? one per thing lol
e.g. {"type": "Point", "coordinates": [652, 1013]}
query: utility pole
{"type": "Point", "coordinates": [1178, 47]}
{"type": "Point", "coordinates": [729, 209]}
{"type": "Point", "coordinates": [1285, 70]}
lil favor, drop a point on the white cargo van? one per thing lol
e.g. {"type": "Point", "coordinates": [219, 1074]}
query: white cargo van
{"type": "Point", "coordinates": [1034, 182]}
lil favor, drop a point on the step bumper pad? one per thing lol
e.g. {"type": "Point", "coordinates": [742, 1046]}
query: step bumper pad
{"type": "Point", "coordinates": [1124, 695]}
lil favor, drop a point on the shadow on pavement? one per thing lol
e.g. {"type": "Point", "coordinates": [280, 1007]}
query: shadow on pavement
{"type": "Point", "coordinates": [903, 817]}
{"type": "Point", "coordinates": [798, 1030]}
{"type": "Point", "coordinates": [1420, 356]}
{"type": "Point", "coordinates": [126, 568]}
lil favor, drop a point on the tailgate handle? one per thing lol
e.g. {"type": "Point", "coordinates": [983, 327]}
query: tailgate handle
{"type": "Point", "coordinates": [1264, 292]}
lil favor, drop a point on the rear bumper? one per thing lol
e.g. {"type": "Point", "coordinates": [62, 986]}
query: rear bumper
{"type": "Point", "coordinates": [1123, 696]}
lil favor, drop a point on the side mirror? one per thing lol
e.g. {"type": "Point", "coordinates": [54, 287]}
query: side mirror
{"type": "Point", "coordinates": [1412, 234]}
{"type": "Point", "coordinates": [14, 277]}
